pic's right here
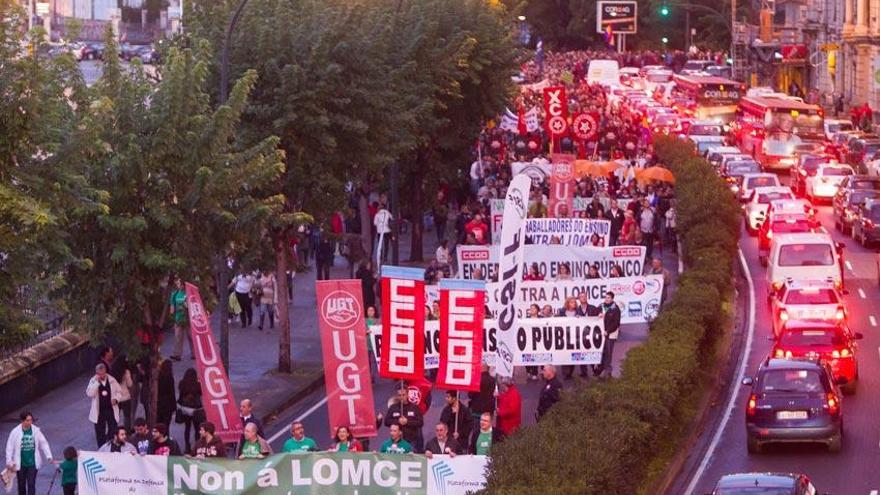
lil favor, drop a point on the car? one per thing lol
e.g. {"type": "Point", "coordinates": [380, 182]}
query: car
{"type": "Point", "coordinates": [764, 484]}
{"type": "Point", "coordinates": [824, 184]}
{"type": "Point", "coordinates": [755, 209]}
{"type": "Point", "coordinates": [781, 223]}
{"type": "Point", "coordinates": [860, 148]}
{"type": "Point", "coordinates": [793, 400]}
{"type": "Point", "coordinates": [837, 145]}
{"type": "Point", "coordinates": [752, 181]}
{"type": "Point", "coordinates": [705, 128]}
{"type": "Point", "coordinates": [724, 71]}
{"type": "Point", "coordinates": [806, 166]}
{"type": "Point", "coordinates": [733, 172]}
{"type": "Point", "coordinates": [818, 300]}
{"type": "Point", "coordinates": [697, 65]}
{"type": "Point", "coordinates": [845, 205]}
{"type": "Point", "coordinates": [91, 51]}
{"type": "Point", "coordinates": [832, 342]}
{"type": "Point", "coordinates": [666, 123]}
{"type": "Point", "coordinates": [716, 154]}
{"type": "Point", "coordinates": [866, 222]}
{"type": "Point", "coordinates": [703, 143]}
{"type": "Point", "coordinates": [804, 256]}
{"type": "Point", "coordinates": [833, 126]}
{"type": "Point", "coordinates": [648, 68]}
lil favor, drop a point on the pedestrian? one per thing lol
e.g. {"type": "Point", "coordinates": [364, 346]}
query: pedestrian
{"type": "Point", "coordinates": [616, 216]}
{"type": "Point", "coordinates": [442, 443]}
{"type": "Point", "coordinates": [344, 442]}
{"type": "Point", "coordinates": [105, 393]}
{"type": "Point", "coordinates": [167, 401]}
{"type": "Point", "coordinates": [354, 252]}
{"type": "Point", "coordinates": [119, 443]}
{"type": "Point", "coordinates": [646, 227]}
{"type": "Point", "coordinates": [246, 410]}
{"type": "Point", "coordinates": [671, 223]}
{"type": "Point", "coordinates": [382, 223]}
{"type": "Point", "coordinates": [299, 443]}
{"type": "Point", "coordinates": [439, 213]}
{"type": "Point", "coordinates": [324, 257]}
{"type": "Point", "coordinates": [141, 438]}
{"type": "Point", "coordinates": [611, 315]}
{"type": "Point", "coordinates": [397, 444]}
{"type": "Point", "coordinates": [368, 283]}
{"type": "Point", "coordinates": [268, 298]}
{"type": "Point", "coordinates": [26, 451]}
{"type": "Point", "coordinates": [550, 394]}
{"type": "Point", "coordinates": [408, 417]}
{"type": "Point", "coordinates": [178, 311]}
{"type": "Point", "coordinates": [121, 371]}
{"type": "Point", "coordinates": [208, 444]}
{"type": "Point", "coordinates": [486, 437]}
{"type": "Point", "coordinates": [509, 407]}
{"type": "Point", "coordinates": [190, 411]}
{"type": "Point", "coordinates": [162, 443]}
{"type": "Point", "coordinates": [254, 445]}
{"type": "Point", "coordinates": [68, 471]}
{"type": "Point", "coordinates": [457, 418]}
{"type": "Point", "coordinates": [372, 320]}
{"type": "Point", "coordinates": [484, 400]}
{"type": "Point", "coordinates": [243, 284]}
{"type": "Point", "coordinates": [657, 268]}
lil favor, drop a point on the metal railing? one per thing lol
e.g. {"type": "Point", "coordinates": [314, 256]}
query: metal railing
{"type": "Point", "coordinates": [52, 327]}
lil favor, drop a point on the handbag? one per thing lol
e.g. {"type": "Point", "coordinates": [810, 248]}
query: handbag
{"type": "Point", "coordinates": [183, 414]}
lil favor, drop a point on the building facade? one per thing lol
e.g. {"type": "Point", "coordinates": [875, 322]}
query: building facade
{"type": "Point", "coordinates": [859, 64]}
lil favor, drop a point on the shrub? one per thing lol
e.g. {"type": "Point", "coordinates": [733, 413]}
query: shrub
{"type": "Point", "coordinates": [599, 438]}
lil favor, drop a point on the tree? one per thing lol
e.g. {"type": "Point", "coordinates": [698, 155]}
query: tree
{"type": "Point", "coordinates": [41, 183]}
{"type": "Point", "coordinates": [176, 182]}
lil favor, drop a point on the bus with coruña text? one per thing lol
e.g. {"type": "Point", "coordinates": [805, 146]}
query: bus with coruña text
{"type": "Point", "coordinates": [773, 128]}
{"type": "Point", "coordinates": [714, 98]}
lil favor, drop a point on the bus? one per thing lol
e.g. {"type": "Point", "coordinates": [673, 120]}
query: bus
{"type": "Point", "coordinates": [714, 98]}
{"type": "Point", "coordinates": [772, 129]}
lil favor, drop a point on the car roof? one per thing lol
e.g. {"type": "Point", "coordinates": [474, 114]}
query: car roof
{"type": "Point", "coordinates": [724, 149]}
{"type": "Point", "coordinates": [772, 189]}
{"type": "Point", "coordinates": [802, 237]}
{"type": "Point", "coordinates": [769, 480]}
{"type": "Point", "coordinates": [834, 165]}
{"type": "Point", "coordinates": [790, 364]}
{"type": "Point", "coordinates": [759, 174]}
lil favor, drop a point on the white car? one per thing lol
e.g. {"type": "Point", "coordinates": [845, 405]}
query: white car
{"type": "Point", "coordinates": [833, 126]}
{"type": "Point", "coordinates": [755, 210]}
{"type": "Point", "coordinates": [752, 181]}
{"type": "Point", "coordinates": [806, 300]}
{"type": "Point", "coordinates": [825, 183]}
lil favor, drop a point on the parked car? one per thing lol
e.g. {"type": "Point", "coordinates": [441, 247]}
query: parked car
{"type": "Point", "coordinates": [92, 51]}
{"type": "Point", "coordinates": [793, 400]}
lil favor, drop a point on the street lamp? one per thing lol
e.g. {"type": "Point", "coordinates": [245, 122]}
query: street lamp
{"type": "Point", "coordinates": [521, 18]}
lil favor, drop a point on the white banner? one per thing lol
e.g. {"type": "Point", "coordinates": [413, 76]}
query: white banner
{"type": "Point", "coordinates": [510, 120]}
{"type": "Point", "coordinates": [496, 211]}
{"type": "Point", "coordinates": [457, 475]}
{"type": "Point", "coordinates": [579, 206]}
{"type": "Point", "coordinates": [511, 248]}
{"type": "Point", "coordinates": [579, 232]}
{"type": "Point", "coordinates": [557, 340]}
{"type": "Point", "coordinates": [538, 169]}
{"type": "Point", "coordinates": [629, 258]}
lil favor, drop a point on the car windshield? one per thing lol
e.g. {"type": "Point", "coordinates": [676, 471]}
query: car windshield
{"type": "Point", "coordinates": [874, 214]}
{"type": "Point", "coordinates": [766, 198]}
{"type": "Point", "coordinates": [806, 255]}
{"type": "Point", "coordinates": [865, 184]}
{"type": "Point", "coordinates": [836, 171]}
{"type": "Point", "coordinates": [742, 167]}
{"type": "Point", "coordinates": [754, 490]}
{"type": "Point", "coordinates": [791, 381]}
{"type": "Point", "coordinates": [859, 197]}
{"type": "Point", "coordinates": [762, 182]}
{"type": "Point", "coordinates": [811, 296]}
{"type": "Point", "coordinates": [811, 337]}
{"type": "Point", "coordinates": [791, 226]}
{"type": "Point", "coordinates": [705, 130]}
{"type": "Point", "coordinates": [843, 126]}
{"type": "Point", "coordinates": [658, 77]}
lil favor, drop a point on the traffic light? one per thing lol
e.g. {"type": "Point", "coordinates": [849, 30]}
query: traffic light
{"type": "Point", "coordinates": [664, 11]}
{"type": "Point", "coordinates": [664, 40]}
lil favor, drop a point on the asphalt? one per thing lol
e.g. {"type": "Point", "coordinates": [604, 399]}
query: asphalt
{"type": "Point", "coordinates": [854, 470]}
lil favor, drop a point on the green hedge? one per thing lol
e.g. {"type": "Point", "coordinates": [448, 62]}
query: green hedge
{"type": "Point", "coordinates": [601, 437]}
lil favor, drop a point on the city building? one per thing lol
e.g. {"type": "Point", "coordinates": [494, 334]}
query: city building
{"type": "Point", "coordinates": [859, 64]}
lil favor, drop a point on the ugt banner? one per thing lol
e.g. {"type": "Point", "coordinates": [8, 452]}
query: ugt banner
{"type": "Point", "coordinates": [319, 473]}
{"type": "Point", "coordinates": [403, 320]}
{"type": "Point", "coordinates": [346, 361]}
{"type": "Point", "coordinates": [462, 305]}
{"type": "Point", "coordinates": [220, 406]}
{"type": "Point", "coordinates": [561, 185]}
{"type": "Point", "coordinates": [510, 268]}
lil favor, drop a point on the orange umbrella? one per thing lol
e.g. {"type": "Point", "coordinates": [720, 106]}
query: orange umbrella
{"type": "Point", "coordinates": [659, 174]}
{"type": "Point", "coordinates": [583, 168]}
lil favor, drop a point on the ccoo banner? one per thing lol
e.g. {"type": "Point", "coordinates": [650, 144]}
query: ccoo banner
{"type": "Point", "coordinates": [462, 304]}
{"type": "Point", "coordinates": [558, 340]}
{"type": "Point", "coordinates": [346, 361]}
{"type": "Point", "coordinates": [220, 406]}
{"type": "Point", "coordinates": [403, 317]}
{"type": "Point", "coordinates": [320, 473]}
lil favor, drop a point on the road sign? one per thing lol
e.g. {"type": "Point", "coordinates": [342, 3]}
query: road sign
{"type": "Point", "coordinates": [621, 15]}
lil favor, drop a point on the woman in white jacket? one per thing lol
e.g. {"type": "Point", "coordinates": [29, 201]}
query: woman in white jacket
{"type": "Point", "coordinates": [26, 451]}
{"type": "Point", "coordinates": [106, 394]}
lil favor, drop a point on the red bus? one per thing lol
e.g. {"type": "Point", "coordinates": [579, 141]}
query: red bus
{"type": "Point", "coordinates": [772, 129]}
{"type": "Point", "coordinates": [715, 98]}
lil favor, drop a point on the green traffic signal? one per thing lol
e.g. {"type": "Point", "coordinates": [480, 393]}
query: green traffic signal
{"type": "Point", "coordinates": [664, 11]}
{"type": "Point", "coordinates": [664, 40]}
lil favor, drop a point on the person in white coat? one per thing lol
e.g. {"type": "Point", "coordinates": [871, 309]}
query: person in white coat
{"type": "Point", "coordinates": [106, 394]}
{"type": "Point", "coordinates": [26, 451]}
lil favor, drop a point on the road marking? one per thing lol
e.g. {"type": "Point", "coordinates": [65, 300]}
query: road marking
{"type": "Point", "coordinates": [872, 320]}
{"type": "Point", "coordinates": [734, 389]}
{"type": "Point", "coordinates": [873, 492]}
{"type": "Point", "coordinates": [302, 417]}
{"type": "Point", "coordinates": [862, 293]}
{"type": "Point", "coordinates": [848, 265]}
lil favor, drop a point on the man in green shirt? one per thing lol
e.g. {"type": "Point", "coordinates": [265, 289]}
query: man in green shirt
{"type": "Point", "coordinates": [177, 309]}
{"type": "Point", "coordinates": [484, 438]}
{"type": "Point", "coordinates": [396, 444]}
{"type": "Point", "coordinates": [254, 446]}
{"type": "Point", "coordinates": [299, 443]}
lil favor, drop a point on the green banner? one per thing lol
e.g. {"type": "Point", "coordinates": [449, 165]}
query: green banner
{"type": "Point", "coordinates": [289, 474]}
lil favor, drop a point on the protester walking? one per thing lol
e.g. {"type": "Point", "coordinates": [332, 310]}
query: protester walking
{"type": "Point", "coordinates": [190, 411]}
{"type": "Point", "coordinates": [324, 257]}
{"type": "Point", "coordinates": [105, 393]}
{"type": "Point", "coordinates": [26, 452]}
{"type": "Point", "coordinates": [167, 399]}
{"type": "Point", "coordinates": [178, 311]}
{"type": "Point", "coordinates": [268, 298]}
{"type": "Point", "coordinates": [551, 393]}
{"type": "Point", "coordinates": [243, 284]}
{"type": "Point", "coordinates": [646, 227]}
{"type": "Point", "coordinates": [611, 315]}
{"type": "Point", "coordinates": [368, 283]}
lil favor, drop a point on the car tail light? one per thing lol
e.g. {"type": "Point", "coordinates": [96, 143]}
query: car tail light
{"type": "Point", "coordinates": [833, 405]}
{"type": "Point", "coordinates": [845, 353]}
{"type": "Point", "coordinates": [779, 353]}
{"type": "Point", "coordinates": [777, 286]}
{"type": "Point", "coordinates": [783, 315]}
{"type": "Point", "coordinates": [753, 405]}
{"type": "Point", "coordinates": [769, 234]}
{"type": "Point", "coordinates": [840, 314]}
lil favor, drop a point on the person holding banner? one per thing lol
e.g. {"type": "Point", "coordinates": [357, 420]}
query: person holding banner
{"type": "Point", "coordinates": [298, 442]}
{"type": "Point", "coordinates": [254, 446]}
{"type": "Point", "coordinates": [396, 444]}
{"type": "Point", "coordinates": [442, 444]}
{"type": "Point", "coordinates": [408, 418]}
{"type": "Point", "coordinates": [344, 442]}
{"type": "Point", "coordinates": [457, 418]}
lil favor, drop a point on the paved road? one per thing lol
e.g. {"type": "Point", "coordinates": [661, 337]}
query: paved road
{"type": "Point", "coordinates": [854, 470]}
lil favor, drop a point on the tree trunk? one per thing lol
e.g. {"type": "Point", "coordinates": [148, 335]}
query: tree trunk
{"type": "Point", "coordinates": [366, 224]}
{"type": "Point", "coordinates": [155, 330]}
{"type": "Point", "coordinates": [221, 276]}
{"type": "Point", "coordinates": [280, 245]}
{"type": "Point", "coordinates": [417, 200]}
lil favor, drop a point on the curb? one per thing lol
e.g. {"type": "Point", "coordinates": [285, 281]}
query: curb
{"type": "Point", "coordinates": [682, 466]}
{"type": "Point", "coordinates": [291, 401]}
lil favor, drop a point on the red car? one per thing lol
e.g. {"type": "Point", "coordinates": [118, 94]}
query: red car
{"type": "Point", "coordinates": [831, 342]}
{"type": "Point", "coordinates": [781, 223]}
